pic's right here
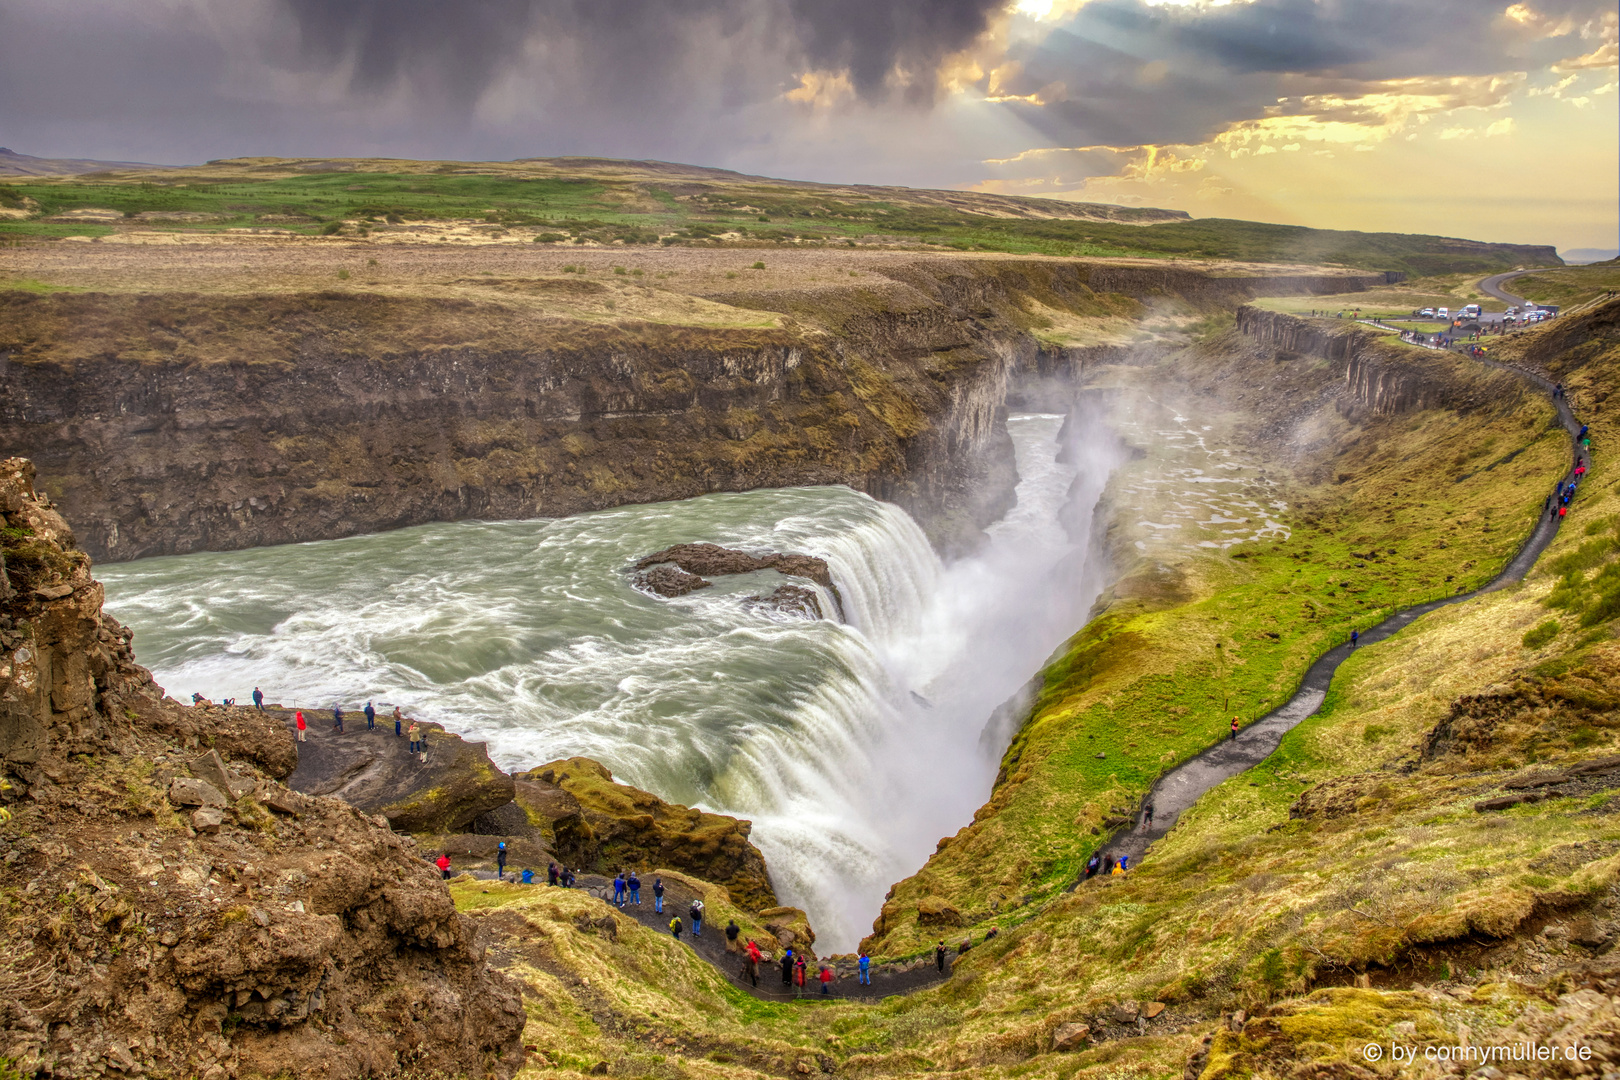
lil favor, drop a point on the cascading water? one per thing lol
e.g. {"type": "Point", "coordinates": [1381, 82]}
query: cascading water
{"type": "Point", "coordinates": [852, 746]}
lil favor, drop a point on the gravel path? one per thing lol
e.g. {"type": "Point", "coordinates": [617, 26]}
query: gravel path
{"type": "Point", "coordinates": [887, 979]}
{"type": "Point", "coordinates": [1178, 789]}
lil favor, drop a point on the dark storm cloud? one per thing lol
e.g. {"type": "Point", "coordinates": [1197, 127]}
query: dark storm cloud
{"type": "Point", "coordinates": [461, 48]}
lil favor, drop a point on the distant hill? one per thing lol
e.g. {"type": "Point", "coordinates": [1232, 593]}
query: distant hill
{"type": "Point", "coordinates": [15, 164]}
{"type": "Point", "coordinates": [1582, 256]}
{"type": "Point", "coordinates": [599, 201]}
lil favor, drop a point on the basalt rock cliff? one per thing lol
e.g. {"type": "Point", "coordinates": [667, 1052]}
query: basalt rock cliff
{"type": "Point", "coordinates": [171, 908]}
{"type": "Point", "coordinates": [172, 422]}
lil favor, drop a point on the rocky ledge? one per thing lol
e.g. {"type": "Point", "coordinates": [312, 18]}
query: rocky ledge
{"type": "Point", "coordinates": [571, 812]}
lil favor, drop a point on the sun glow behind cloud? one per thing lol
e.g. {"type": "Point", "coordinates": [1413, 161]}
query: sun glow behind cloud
{"type": "Point", "coordinates": [1414, 152]}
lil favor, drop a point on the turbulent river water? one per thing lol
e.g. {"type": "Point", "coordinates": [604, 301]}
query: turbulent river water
{"type": "Point", "coordinates": [853, 746]}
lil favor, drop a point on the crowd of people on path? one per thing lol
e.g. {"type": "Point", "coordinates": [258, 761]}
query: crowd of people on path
{"type": "Point", "coordinates": [404, 727]}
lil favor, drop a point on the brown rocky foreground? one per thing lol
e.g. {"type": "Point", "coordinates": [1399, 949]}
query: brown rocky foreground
{"type": "Point", "coordinates": [172, 908]}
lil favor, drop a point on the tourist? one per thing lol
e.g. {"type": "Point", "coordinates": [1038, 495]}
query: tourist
{"type": "Point", "coordinates": [1148, 811]}
{"type": "Point", "coordinates": [1562, 510]}
{"type": "Point", "coordinates": [939, 955]}
{"type": "Point", "coordinates": [298, 720]}
{"type": "Point", "coordinates": [675, 927]}
{"type": "Point", "coordinates": [695, 913]}
{"type": "Point", "coordinates": [371, 717]}
{"type": "Point", "coordinates": [754, 957]}
{"type": "Point", "coordinates": [500, 860]}
{"type": "Point", "coordinates": [551, 874]}
{"type": "Point", "coordinates": [967, 943]}
{"type": "Point", "coordinates": [798, 974]}
{"type": "Point", "coordinates": [399, 718]}
{"type": "Point", "coordinates": [1234, 728]}
{"type": "Point", "coordinates": [258, 699]}
{"type": "Point", "coordinates": [787, 967]}
{"type": "Point", "coordinates": [866, 969]}
{"type": "Point", "coordinates": [658, 895]}
{"type": "Point", "coordinates": [1093, 865]}
{"type": "Point", "coordinates": [1355, 638]}
{"type": "Point", "coordinates": [569, 879]}
{"type": "Point", "coordinates": [528, 876]}
{"type": "Point", "coordinates": [732, 930]}
{"type": "Point", "coordinates": [443, 864]}
{"type": "Point", "coordinates": [415, 740]}
{"type": "Point", "coordinates": [337, 719]}
{"type": "Point", "coordinates": [618, 890]}
{"type": "Point", "coordinates": [826, 978]}
{"type": "Point", "coordinates": [635, 889]}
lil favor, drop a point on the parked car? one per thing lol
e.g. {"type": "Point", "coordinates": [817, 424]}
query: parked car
{"type": "Point", "coordinates": [1444, 313]}
{"type": "Point", "coordinates": [1427, 311]}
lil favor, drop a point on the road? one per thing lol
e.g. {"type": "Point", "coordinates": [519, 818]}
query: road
{"type": "Point", "coordinates": [1492, 286]}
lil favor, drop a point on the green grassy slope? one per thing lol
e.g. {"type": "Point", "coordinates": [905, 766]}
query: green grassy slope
{"type": "Point", "coordinates": [605, 202]}
{"type": "Point", "coordinates": [1345, 892]}
{"type": "Point", "coordinates": [1378, 514]}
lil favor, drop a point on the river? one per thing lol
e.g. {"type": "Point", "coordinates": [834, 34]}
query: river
{"type": "Point", "coordinates": [853, 746]}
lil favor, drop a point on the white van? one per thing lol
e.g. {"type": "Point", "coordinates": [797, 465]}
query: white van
{"type": "Point", "coordinates": [1471, 310]}
{"type": "Point", "coordinates": [1444, 313]}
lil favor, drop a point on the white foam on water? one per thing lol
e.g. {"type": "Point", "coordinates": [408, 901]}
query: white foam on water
{"type": "Point", "coordinates": [529, 635]}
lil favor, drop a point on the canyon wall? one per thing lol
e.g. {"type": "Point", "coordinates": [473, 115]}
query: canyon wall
{"type": "Point", "coordinates": [1381, 376]}
{"type": "Point", "coordinates": [172, 422]}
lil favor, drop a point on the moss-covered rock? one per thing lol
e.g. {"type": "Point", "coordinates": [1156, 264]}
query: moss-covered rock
{"type": "Point", "coordinates": [616, 826]}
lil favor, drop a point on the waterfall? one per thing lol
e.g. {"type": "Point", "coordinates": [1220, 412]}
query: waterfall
{"type": "Point", "coordinates": [853, 746]}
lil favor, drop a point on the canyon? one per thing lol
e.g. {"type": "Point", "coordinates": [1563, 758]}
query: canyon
{"type": "Point", "coordinates": [166, 421]}
{"type": "Point", "coordinates": [1258, 483]}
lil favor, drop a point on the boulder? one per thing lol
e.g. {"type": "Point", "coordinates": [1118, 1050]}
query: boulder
{"type": "Point", "coordinates": [208, 819]}
{"type": "Point", "coordinates": [1153, 1009]}
{"type": "Point", "coordinates": [210, 769]}
{"type": "Point", "coordinates": [1126, 1012]}
{"type": "Point", "coordinates": [371, 770]}
{"type": "Point", "coordinates": [1070, 1037]}
{"type": "Point", "coordinates": [936, 911]}
{"type": "Point", "coordinates": [623, 827]}
{"type": "Point", "coordinates": [283, 801]}
{"type": "Point", "coordinates": [186, 791]}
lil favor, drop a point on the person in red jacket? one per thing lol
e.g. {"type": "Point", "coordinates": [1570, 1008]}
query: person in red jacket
{"type": "Point", "coordinates": [826, 977]}
{"type": "Point", "coordinates": [443, 864]}
{"type": "Point", "coordinates": [798, 974]}
{"type": "Point", "coordinates": [300, 716]}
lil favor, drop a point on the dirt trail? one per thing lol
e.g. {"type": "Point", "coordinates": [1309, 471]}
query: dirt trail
{"type": "Point", "coordinates": [887, 978]}
{"type": "Point", "coordinates": [1178, 789]}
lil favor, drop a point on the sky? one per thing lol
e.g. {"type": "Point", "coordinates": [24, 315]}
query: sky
{"type": "Point", "coordinates": [1467, 118]}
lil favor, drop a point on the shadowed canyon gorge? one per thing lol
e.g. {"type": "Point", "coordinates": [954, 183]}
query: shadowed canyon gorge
{"type": "Point", "coordinates": [997, 541]}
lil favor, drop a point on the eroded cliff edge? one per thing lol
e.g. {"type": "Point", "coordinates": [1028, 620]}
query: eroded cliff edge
{"type": "Point", "coordinates": [169, 422]}
{"type": "Point", "coordinates": [171, 908]}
